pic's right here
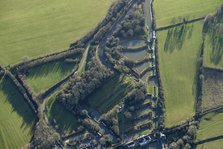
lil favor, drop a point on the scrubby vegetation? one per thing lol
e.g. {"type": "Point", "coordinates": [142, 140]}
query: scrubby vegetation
{"type": "Point", "coordinates": [44, 136]}
{"type": "Point", "coordinates": [212, 89]}
{"type": "Point", "coordinates": [187, 139]}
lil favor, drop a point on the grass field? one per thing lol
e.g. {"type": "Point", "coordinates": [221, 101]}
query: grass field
{"type": "Point", "coordinates": [212, 89]}
{"type": "Point", "coordinates": [169, 12]}
{"type": "Point", "coordinates": [65, 121]}
{"type": "Point", "coordinates": [38, 27]}
{"type": "Point", "coordinates": [211, 125]}
{"type": "Point", "coordinates": [110, 94]}
{"type": "Point", "coordinates": [16, 117]}
{"type": "Point", "coordinates": [43, 77]}
{"type": "Point", "coordinates": [179, 50]}
{"type": "Point", "coordinates": [211, 145]}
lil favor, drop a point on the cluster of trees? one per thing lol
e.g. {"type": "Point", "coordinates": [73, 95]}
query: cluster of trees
{"type": "Point", "coordinates": [114, 56]}
{"type": "Point", "coordinates": [136, 96]}
{"type": "Point", "coordinates": [111, 119]}
{"type": "Point", "coordinates": [186, 142]}
{"type": "Point", "coordinates": [80, 87]}
{"type": "Point", "coordinates": [2, 72]}
{"type": "Point", "coordinates": [119, 62]}
{"type": "Point", "coordinates": [106, 140]}
{"type": "Point", "coordinates": [44, 136]}
{"type": "Point", "coordinates": [132, 101]}
{"type": "Point", "coordinates": [91, 125]}
{"type": "Point", "coordinates": [133, 24]}
{"type": "Point", "coordinates": [214, 22]}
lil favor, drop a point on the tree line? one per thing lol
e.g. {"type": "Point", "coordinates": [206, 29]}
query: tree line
{"type": "Point", "coordinates": [79, 88]}
{"type": "Point", "coordinates": [133, 25]}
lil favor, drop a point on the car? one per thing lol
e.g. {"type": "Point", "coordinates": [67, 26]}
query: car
{"type": "Point", "coordinates": [142, 141]}
{"type": "Point", "coordinates": [148, 138]}
{"type": "Point", "coordinates": [131, 145]}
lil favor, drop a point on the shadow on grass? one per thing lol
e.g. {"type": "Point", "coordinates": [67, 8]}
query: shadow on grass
{"type": "Point", "coordinates": [216, 40]}
{"type": "Point", "coordinates": [176, 37]}
{"type": "Point", "coordinates": [62, 117]}
{"type": "Point", "coordinates": [49, 68]}
{"type": "Point", "coordinates": [107, 96]}
{"type": "Point", "coordinates": [18, 103]}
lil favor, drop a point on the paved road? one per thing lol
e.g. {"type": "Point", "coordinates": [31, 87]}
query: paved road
{"type": "Point", "coordinates": [148, 13]}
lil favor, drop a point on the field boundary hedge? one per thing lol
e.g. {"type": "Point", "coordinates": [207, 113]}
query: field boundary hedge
{"type": "Point", "coordinates": [161, 100]}
{"type": "Point", "coordinates": [209, 140]}
{"type": "Point", "coordinates": [45, 59]}
{"type": "Point", "coordinates": [198, 103]}
{"type": "Point", "coordinates": [181, 23]}
{"type": "Point", "coordinates": [28, 97]}
{"type": "Point", "coordinates": [134, 49]}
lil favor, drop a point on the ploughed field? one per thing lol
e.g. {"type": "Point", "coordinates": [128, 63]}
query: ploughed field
{"type": "Point", "coordinates": [16, 117]}
{"type": "Point", "coordinates": [179, 50]}
{"type": "Point", "coordinates": [169, 12]}
{"type": "Point", "coordinates": [32, 28]}
{"type": "Point", "coordinates": [212, 89]}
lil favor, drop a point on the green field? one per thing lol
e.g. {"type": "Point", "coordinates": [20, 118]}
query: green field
{"type": "Point", "coordinates": [211, 125]}
{"type": "Point", "coordinates": [32, 28]}
{"type": "Point", "coordinates": [65, 121]}
{"type": "Point", "coordinates": [169, 12]}
{"type": "Point", "coordinates": [43, 77]}
{"type": "Point", "coordinates": [110, 94]}
{"type": "Point", "coordinates": [179, 49]}
{"type": "Point", "coordinates": [211, 145]}
{"type": "Point", "coordinates": [16, 117]}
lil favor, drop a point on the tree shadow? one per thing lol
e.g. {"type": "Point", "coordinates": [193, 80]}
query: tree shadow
{"type": "Point", "coordinates": [63, 118]}
{"type": "Point", "coordinates": [216, 43]}
{"type": "Point", "coordinates": [176, 37]}
{"type": "Point", "coordinates": [46, 69]}
{"type": "Point", "coordinates": [18, 103]}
